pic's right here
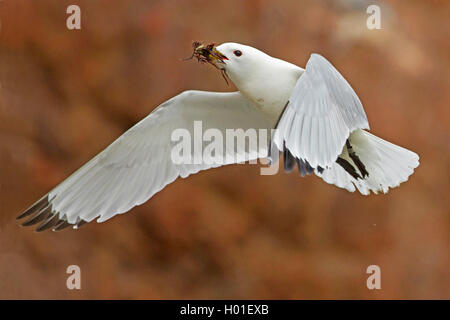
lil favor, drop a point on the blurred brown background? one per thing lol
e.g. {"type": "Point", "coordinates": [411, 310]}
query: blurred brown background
{"type": "Point", "coordinates": [228, 232]}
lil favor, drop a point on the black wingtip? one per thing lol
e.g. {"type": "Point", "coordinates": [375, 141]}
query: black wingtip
{"type": "Point", "coordinates": [41, 215]}
{"type": "Point", "coordinates": [62, 224]}
{"type": "Point", "coordinates": [289, 160]}
{"type": "Point", "coordinates": [42, 211]}
{"type": "Point", "coordinates": [304, 168]}
{"type": "Point", "coordinates": [36, 207]}
{"type": "Point", "coordinates": [47, 224]}
{"type": "Point", "coordinates": [80, 223]}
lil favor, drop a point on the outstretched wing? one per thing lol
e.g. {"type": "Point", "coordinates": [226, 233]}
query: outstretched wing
{"type": "Point", "coordinates": [139, 163]}
{"type": "Point", "coordinates": [321, 113]}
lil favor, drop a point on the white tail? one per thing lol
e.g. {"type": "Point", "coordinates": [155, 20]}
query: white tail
{"type": "Point", "coordinates": [387, 165]}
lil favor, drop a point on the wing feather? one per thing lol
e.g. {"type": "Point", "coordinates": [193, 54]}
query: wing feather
{"type": "Point", "coordinates": [138, 164]}
{"type": "Point", "coordinates": [322, 112]}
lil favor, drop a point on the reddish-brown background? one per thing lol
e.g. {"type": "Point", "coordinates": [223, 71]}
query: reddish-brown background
{"type": "Point", "coordinates": [228, 232]}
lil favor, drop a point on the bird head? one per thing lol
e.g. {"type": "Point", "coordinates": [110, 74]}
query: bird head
{"type": "Point", "coordinates": [233, 59]}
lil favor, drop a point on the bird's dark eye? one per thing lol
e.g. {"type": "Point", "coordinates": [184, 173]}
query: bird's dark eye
{"type": "Point", "coordinates": [237, 53]}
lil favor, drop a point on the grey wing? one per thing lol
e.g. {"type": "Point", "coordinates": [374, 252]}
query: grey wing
{"type": "Point", "coordinates": [322, 111]}
{"type": "Point", "coordinates": [139, 164]}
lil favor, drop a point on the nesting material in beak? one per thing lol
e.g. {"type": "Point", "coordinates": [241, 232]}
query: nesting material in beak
{"type": "Point", "coordinates": [208, 53]}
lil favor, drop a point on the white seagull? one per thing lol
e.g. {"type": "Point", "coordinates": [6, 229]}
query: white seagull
{"type": "Point", "coordinates": [320, 121]}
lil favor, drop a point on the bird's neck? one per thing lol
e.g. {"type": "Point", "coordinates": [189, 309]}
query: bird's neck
{"type": "Point", "coordinates": [270, 87]}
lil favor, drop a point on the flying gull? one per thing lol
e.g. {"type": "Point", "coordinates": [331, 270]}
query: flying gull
{"type": "Point", "coordinates": [320, 128]}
